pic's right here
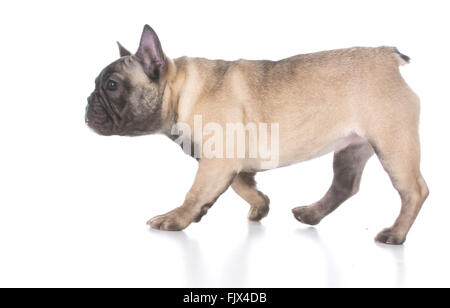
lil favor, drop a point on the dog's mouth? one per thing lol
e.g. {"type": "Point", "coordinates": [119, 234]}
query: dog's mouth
{"type": "Point", "coordinates": [104, 117]}
{"type": "Point", "coordinates": [97, 118]}
{"type": "Point", "coordinates": [101, 130]}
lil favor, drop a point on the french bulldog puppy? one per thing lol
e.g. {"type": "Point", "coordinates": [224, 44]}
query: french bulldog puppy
{"type": "Point", "coordinates": [352, 102]}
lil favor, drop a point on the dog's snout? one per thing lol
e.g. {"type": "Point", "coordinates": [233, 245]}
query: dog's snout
{"type": "Point", "coordinates": [89, 101]}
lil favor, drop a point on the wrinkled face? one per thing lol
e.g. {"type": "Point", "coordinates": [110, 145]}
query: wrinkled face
{"type": "Point", "coordinates": [127, 99]}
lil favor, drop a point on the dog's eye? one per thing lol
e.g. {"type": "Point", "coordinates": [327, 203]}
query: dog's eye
{"type": "Point", "coordinates": [112, 85]}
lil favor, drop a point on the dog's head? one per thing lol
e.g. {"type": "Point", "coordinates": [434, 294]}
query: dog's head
{"type": "Point", "coordinates": [128, 94]}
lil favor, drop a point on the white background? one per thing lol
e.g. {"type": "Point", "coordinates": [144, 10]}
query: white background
{"type": "Point", "coordinates": [73, 205]}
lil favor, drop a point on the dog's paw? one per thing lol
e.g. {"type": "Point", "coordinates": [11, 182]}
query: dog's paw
{"type": "Point", "coordinates": [307, 215]}
{"type": "Point", "coordinates": [390, 236]}
{"type": "Point", "coordinates": [259, 210]}
{"type": "Point", "coordinates": [257, 213]}
{"type": "Point", "coordinates": [175, 220]}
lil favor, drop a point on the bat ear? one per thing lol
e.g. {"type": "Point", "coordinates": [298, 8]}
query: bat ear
{"type": "Point", "coordinates": [123, 51]}
{"type": "Point", "coordinates": [150, 53]}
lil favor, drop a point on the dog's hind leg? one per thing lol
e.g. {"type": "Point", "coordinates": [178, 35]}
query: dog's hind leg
{"type": "Point", "coordinates": [244, 185]}
{"type": "Point", "coordinates": [400, 156]}
{"type": "Point", "coordinates": [348, 166]}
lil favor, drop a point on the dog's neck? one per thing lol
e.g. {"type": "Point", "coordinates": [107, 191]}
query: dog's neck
{"type": "Point", "coordinates": [173, 89]}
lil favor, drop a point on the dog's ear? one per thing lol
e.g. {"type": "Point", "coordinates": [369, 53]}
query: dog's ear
{"type": "Point", "coordinates": [123, 51]}
{"type": "Point", "coordinates": [150, 53]}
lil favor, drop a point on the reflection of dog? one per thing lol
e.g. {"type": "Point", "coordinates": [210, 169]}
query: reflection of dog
{"type": "Point", "coordinates": [351, 101]}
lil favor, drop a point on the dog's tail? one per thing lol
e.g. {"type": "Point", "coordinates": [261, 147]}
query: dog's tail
{"type": "Point", "coordinates": [402, 59]}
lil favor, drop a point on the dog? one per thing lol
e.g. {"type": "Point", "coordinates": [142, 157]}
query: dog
{"type": "Point", "coordinates": [353, 102]}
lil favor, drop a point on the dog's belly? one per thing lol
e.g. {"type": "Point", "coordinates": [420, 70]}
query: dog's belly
{"type": "Point", "coordinates": [291, 153]}
{"type": "Point", "coordinates": [299, 154]}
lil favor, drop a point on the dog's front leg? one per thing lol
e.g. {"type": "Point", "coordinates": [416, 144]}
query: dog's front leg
{"type": "Point", "coordinates": [213, 178]}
